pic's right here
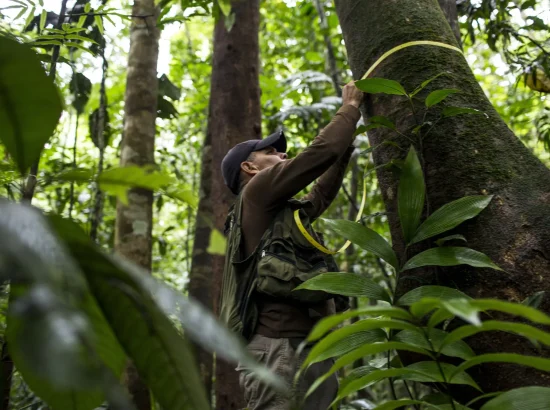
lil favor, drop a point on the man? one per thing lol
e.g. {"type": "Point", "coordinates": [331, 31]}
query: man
{"type": "Point", "coordinates": [267, 257]}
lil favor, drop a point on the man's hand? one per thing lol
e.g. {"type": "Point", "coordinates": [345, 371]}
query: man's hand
{"type": "Point", "coordinates": [352, 95]}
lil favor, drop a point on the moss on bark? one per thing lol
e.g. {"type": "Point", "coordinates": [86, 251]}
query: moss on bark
{"type": "Point", "coordinates": [463, 155]}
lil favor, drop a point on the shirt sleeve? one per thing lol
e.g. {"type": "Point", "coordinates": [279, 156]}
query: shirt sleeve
{"type": "Point", "coordinates": [328, 185]}
{"type": "Point", "coordinates": [275, 185]}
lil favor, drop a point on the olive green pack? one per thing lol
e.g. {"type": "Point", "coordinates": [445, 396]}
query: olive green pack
{"type": "Point", "coordinates": [283, 260]}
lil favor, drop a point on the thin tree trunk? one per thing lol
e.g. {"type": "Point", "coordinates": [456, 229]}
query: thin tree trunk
{"type": "Point", "coordinates": [134, 222]}
{"type": "Point", "coordinates": [451, 14]}
{"type": "Point", "coordinates": [234, 116]}
{"type": "Point", "coordinates": [331, 57]}
{"type": "Point", "coordinates": [97, 209]}
{"type": "Point", "coordinates": [463, 155]}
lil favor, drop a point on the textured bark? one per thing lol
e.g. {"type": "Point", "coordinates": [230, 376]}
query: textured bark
{"type": "Point", "coordinates": [463, 155]}
{"type": "Point", "coordinates": [234, 116]}
{"type": "Point", "coordinates": [451, 14]}
{"type": "Point", "coordinates": [134, 222]}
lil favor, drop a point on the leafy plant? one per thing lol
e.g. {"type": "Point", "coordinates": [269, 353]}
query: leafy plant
{"type": "Point", "coordinates": [413, 322]}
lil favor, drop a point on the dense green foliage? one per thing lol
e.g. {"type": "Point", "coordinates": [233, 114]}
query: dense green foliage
{"type": "Point", "coordinates": [98, 311]}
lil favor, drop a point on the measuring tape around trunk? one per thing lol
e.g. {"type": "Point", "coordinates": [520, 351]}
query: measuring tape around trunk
{"type": "Point", "coordinates": [297, 219]}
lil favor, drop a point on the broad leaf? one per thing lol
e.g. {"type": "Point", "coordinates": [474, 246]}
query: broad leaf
{"type": "Point", "coordinates": [450, 256]}
{"type": "Point", "coordinates": [346, 331]}
{"type": "Point", "coordinates": [430, 291]}
{"type": "Point", "coordinates": [535, 362]}
{"type": "Point", "coordinates": [431, 372]}
{"type": "Point", "coordinates": [217, 243]}
{"type": "Point", "coordinates": [453, 111]}
{"type": "Point", "coordinates": [397, 404]}
{"type": "Point", "coordinates": [367, 380]}
{"type": "Point", "coordinates": [225, 7]}
{"type": "Point", "coordinates": [410, 195]}
{"type": "Point", "coordinates": [451, 215]}
{"type": "Point", "coordinates": [517, 309]}
{"type": "Point", "coordinates": [357, 374]}
{"type": "Point", "coordinates": [380, 121]}
{"type": "Point", "coordinates": [435, 97]}
{"type": "Point", "coordinates": [434, 342]}
{"type": "Point", "coordinates": [524, 398]}
{"type": "Point", "coordinates": [520, 329]}
{"type": "Point", "coordinates": [380, 86]}
{"type": "Point", "coordinates": [59, 340]}
{"type": "Point", "coordinates": [535, 299]}
{"type": "Point", "coordinates": [363, 351]}
{"type": "Point", "coordinates": [364, 238]}
{"type": "Point", "coordinates": [30, 105]}
{"type": "Point", "coordinates": [350, 343]}
{"type": "Point", "coordinates": [327, 323]}
{"type": "Point", "coordinates": [442, 241]}
{"type": "Point", "coordinates": [347, 284]}
{"type": "Point", "coordinates": [360, 130]}
{"type": "Point", "coordinates": [145, 329]}
{"type": "Point", "coordinates": [426, 82]}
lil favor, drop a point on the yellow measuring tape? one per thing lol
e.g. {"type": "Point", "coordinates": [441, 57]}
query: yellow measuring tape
{"type": "Point", "coordinates": [297, 219]}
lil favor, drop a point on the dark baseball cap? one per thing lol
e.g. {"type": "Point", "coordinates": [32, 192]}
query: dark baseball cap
{"type": "Point", "coordinates": [231, 164]}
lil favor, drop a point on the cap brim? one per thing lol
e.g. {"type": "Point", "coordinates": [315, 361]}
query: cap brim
{"type": "Point", "coordinates": [277, 141]}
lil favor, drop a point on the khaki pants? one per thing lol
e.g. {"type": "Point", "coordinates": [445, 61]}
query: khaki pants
{"type": "Point", "coordinates": [280, 357]}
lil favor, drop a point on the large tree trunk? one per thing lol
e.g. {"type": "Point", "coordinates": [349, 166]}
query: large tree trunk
{"type": "Point", "coordinates": [134, 222]}
{"type": "Point", "coordinates": [234, 116]}
{"type": "Point", "coordinates": [463, 155]}
{"type": "Point", "coordinates": [451, 14]}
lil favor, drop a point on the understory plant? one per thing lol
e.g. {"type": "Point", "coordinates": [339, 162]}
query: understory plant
{"type": "Point", "coordinates": [430, 321]}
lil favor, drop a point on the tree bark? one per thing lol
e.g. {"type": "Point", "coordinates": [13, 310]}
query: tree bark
{"type": "Point", "coordinates": [451, 14]}
{"type": "Point", "coordinates": [463, 155]}
{"type": "Point", "coordinates": [331, 57]}
{"type": "Point", "coordinates": [134, 221]}
{"type": "Point", "coordinates": [234, 116]}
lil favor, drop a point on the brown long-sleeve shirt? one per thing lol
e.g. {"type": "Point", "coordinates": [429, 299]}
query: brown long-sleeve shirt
{"type": "Point", "coordinates": [263, 197]}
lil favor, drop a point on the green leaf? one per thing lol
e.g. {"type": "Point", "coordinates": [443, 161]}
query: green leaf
{"type": "Point", "coordinates": [327, 323]}
{"type": "Point", "coordinates": [81, 38]}
{"type": "Point", "coordinates": [347, 284]}
{"type": "Point", "coordinates": [81, 20]}
{"type": "Point", "coordinates": [99, 23]}
{"type": "Point", "coordinates": [217, 243]}
{"type": "Point", "coordinates": [360, 130]}
{"type": "Point", "coordinates": [58, 338]}
{"type": "Point", "coordinates": [453, 111]}
{"type": "Point", "coordinates": [410, 195]}
{"type": "Point", "coordinates": [379, 121]}
{"type": "Point", "coordinates": [436, 338]}
{"type": "Point", "coordinates": [365, 238]}
{"type": "Point", "coordinates": [350, 343]}
{"type": "Point", "coordinates": [346, 331]}
{"type": "Point", "coordinates": [425, 83]}
{"type": "Point", "coordinates": [138, 308]}
{"type": "Point", "coordinates": [380, 85]}
{"type": "Point", "coordinates": [535, 362]}
{"type": "Point", "coordinates": [367, 380]}
{"type": "Point", "coordinates": [357, 374]}
{"type": "Point", "coordinates": [30, 16]}
{"type": "Point", "coordinates": [79, 46]}
{"type": "Point", "coordinates": [535, 299]}
{"type": "Point", "coordinates": [43, 16]}
{"type": "Point", "coordinates": [225, 7]}
{"type": "Point", "coordinates": [440, 315]}
{"type": "Point", "coordinates": [441, 241]}
{"type": "Point", "coordinates": [463, 309]}
{"type": "Point", "coordinates": [182, 194]}
{"type": "Point", "coordinates": [396, 404]}
{"type": "Point", "coordinates": [430, 372]}
{"type": "Point", "coordinates": [21, 12]}
{"type": "Point", "coordinates": [30, 105]}
{"type": "Point", "coordinates": [430, 291]}
{"type": "Point", "coordinates": [517, 309]}
{"type": "Point", "coordinates": [363, 351]}
{"type": "Point", "coordinates": [435, 97]}
{"type": "Point", "coordinates": [524, 398]}
{"type": "Point", "coordinates": [450, 256]}
{"type": "Point", "coordinates": [520, 329]}
{"type": "Point", "coordinates": [117, 181]}
{"type": "Point", "coordinates": [451, 215]}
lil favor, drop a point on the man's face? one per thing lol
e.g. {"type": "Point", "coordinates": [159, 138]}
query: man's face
{"type": "Point", "coordinates": [263, 159]}
{"type": "Point", "coordinates": [268, 157]}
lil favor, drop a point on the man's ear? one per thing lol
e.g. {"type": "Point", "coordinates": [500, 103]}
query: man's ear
{"type": "Point", "coordinates": [249, 168]}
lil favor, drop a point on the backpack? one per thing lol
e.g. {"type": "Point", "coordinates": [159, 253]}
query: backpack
{"type": "Point", "coordinates": [283, 260]}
